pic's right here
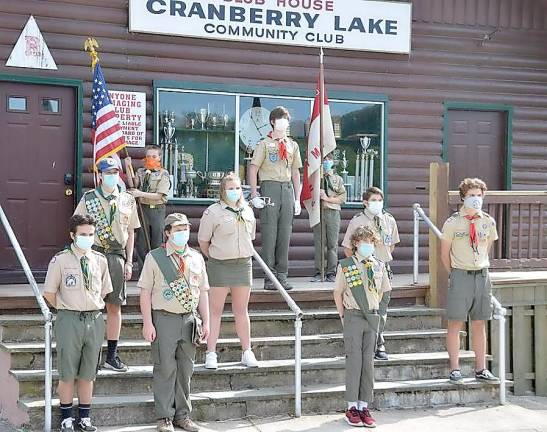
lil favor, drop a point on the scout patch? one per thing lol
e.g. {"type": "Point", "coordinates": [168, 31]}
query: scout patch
{"type": "Point", "coordinates": [388, 239]}
{"type": "Point", "coordinates": [273, 156]}
{"type": "Point", "coordinates": [168, 294]}
{"type": "Point", "coordinates": [352, 275]}
{"type": "Point", "coordinates": [70, 281]}
{"type": "Point", "coordinates": [103, 227]}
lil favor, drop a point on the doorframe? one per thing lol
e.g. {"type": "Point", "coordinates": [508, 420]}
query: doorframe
{"type": "Point", "coordinates": [470, 106]}
{"type": "Point", "coordinates": [78, 86]}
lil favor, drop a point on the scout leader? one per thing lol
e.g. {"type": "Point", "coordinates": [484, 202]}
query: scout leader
{"type": "Point", "coordinates": [384, 226]}
{"type": "Point", "coordinates": [276, 161]}
{"type": "Point", "coordinates": [467, 238]}
{"type": "Point", "coordinates": [152, 187]}
{"type": "Point", "coordinates": [174, 285]}
{"type": "Point", "coordinates": [333, 195]}
{"type": "Point", "coordinates": [117, 219]}
{"type": "Point", "coordinates": [361, 282]}
{"type": "Point", "coordinates": [76, 282]}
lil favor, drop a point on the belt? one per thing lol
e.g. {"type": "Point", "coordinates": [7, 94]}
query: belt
{"type": "Point", "coordinates": [276, 181]}
{"type": "Point", "coordinates": [152, 206]}
{"type": "Point", "coordinates": [473, 272]}
{"type": "Point", "coordinates": [82, 314]}
{"type": "Point", "coordinates": [102, 250]}
{"type": "Point", "coordinates": [164, 312]}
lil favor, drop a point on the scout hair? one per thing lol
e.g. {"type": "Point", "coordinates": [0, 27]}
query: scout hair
{"type": "Point", "coordinates": [231, 176]}
{"type": "Point", "coordinates": [279, 112]}
{"type": "Point", "coordinates": [363, 233]}
{"type": "Point", "coordinates": [372, 191]}
{"type": "Point", "coordinates": [153, 147]}
{"type": "Point", "coordinates": [78, 220]}
{"type": "Point", "coordinates": [471, 183]}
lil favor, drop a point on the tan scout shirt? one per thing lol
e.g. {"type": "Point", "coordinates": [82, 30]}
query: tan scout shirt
{"type": "Point", "coordinates": [159, 182]}
{"type": "Point", "coordinates": [64, 278]}
{"type": "Point", "coordinates": [162, 297]}
{"type": "Point", "coordinates": [270, 166]}
{"type": "Point", "coordinates": [125, 218]}
{"type": "Point", "coordinates": [334, 188]}
{"type": "Point", "coordinates": [228, 237]}
{"type": "Point", "coordinates": [389, 235]}
{"type": "Point", "coordinates": [456, 230]}
{"type": "Point", "coordinates": [380, 278]}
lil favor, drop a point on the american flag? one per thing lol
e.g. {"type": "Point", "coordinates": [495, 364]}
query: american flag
{"type": "Point", "coordinates": [106, 134]}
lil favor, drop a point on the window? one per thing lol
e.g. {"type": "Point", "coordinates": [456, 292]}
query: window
{"type": "Point", "coordinates": [51, 106]}
{"type": "Point", "coordinates": [205, 134]}
{"type": "Point", "coordinates": [17, 103]}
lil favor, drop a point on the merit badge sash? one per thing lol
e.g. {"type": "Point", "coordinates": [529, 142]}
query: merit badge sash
{"type": "Point", "coordinates": [104, 227]}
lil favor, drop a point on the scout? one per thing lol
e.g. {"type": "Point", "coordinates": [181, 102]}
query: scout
{"type": "Point", "coordinates": [174, 285]}
{"type": "Point", "coordinates": [226, 233]}
{"type": "Point", "coordinates": [384, 226]}
{"type": "Point", "coordinates": [76, 282]}
{"type": "Point", "coordinates": [467, 238]}
{"type": "Point", "coordinates": [333, 194]}
{"type": "Point", "coordinates": [116, 216]}
{"type": "Point", "coordinates": [152, 187]}
{"type": "Point", "coordinates": [276, 161]}
{"type": "Point", "coordinates": [361, 281]}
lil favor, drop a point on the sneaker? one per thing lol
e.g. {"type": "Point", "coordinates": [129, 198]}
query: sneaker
{"type": "Point", "coordinates": [367, 419]}
{"type": "Point", "coordinates": [456, 377]}
{"type": "Point", "coordinates": [353, 418]}
{"type": "Point", "coordinates": [485, 375]}
{"type": "Point", "coordinates": [211, 360]}
{"type": "Point", "coordinates": [165, 425]}
{"type": "Point", "coordinates": [67, 425]}
{"type": "Point", "coordinates": [115, 364]}
{"type": "Point", "coordinates": [268, 285]}
{"type": "Point", "coordinates": [316, 278]}
{"type": "Point", "coordinates": [84, 425]}
{"type": "Point", "coordinates": [331, 277]}
{"type": "Point", "coordinates": [187, 424]}
{"type": "Point", "coordinates": [286, 284]}
{"type": "Point", "coordinates": [248, 359]}
{"type": "Point", "coordinates": [381, 355]}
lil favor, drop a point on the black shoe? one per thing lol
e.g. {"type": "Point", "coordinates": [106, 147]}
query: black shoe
{"type": "Point", "coordinates": [381, 355]}
{"type": "Point", "coordinates": [286, 284]}
{"type": "Point", "coordinates": [84, 425]}
{"type": "Point", "coordinates": [331, 277]}
{"type": "Point", "coordinates": [67, 425]}
{"type": "Point", "coordinates": [115, 364]}
{"type": "Point", "coordinates": [316, 278]}
{"type": "Point", "coordinates": [456, 377]}
{"type": "Point", "coordinates": [485, 375]}
{"type": "Point", "coordinates": [268, 285]}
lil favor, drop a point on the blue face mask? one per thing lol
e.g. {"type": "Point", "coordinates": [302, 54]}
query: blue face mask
{"type": "Point", "coordinates": [233, 195]}
{"type": "Point", "coordinates": [84, 242]}
{"type": "Point", "coordinates": [365, 249]}
{"type": "Point", "coordinates": [180, 238]}
{"type": "Point", "coordinates": [328, 164]}
{"type": "Point", "coordinates": [111, 180]}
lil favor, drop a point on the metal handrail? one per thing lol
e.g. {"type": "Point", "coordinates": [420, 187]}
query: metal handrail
{"type": "Point", "coordinates": [48, 316]}
{"type": "Point", "coordinates": [499, 311]}
{"type": "Point", "coordinates": [298, 314]}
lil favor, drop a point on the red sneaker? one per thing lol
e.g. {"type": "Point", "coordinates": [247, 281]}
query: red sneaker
{"type": "Point", "coordinates": [367, 419]}
{"type": "Point", "coordinates": [353, 417]}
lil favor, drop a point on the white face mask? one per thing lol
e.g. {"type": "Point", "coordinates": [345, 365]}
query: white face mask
{"type": "Point", "coordinates": [473, 202]}
{"type": "Point", "coordinates": [281, 125]}
{"type": "Point", "coordinates": [375, 207]}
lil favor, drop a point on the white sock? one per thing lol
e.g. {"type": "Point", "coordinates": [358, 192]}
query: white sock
{"type": "Point", "coordinates": [362, 405]}
{"type": "Point", "coordinates": [352, 405]}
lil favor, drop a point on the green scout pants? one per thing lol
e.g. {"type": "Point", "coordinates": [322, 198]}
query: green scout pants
{"type": "Point", "coordinates": [331, 219]}
{"type": "Point", "coordinates": [173, 355]}
{"type": "Point", "coordinates": [153, 223]}
{"type": "Point", "coordinates": [359, 343]}
{"type": "Point", "coordinates": [276, 226]}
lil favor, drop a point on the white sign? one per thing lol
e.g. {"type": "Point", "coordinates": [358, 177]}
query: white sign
{"type": "Point", "coordinates": [344, 24]}
{"type": "Point", "coordinates": [31, 50]}
{"type": "Point", "coordinates": [131, 110]}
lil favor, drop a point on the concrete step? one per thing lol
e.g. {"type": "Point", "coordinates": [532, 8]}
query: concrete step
{"type": "Point", "coordinates": [22, 328]}
{"type": "Point", "coordinates": [30, 355]}
{"type": "Point", "coordinates": [272, 373]}
{"type": "Point", "coordinates": [266, 402]}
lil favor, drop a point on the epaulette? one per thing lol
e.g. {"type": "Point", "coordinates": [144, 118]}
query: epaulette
{"type": "Point", "coordinates": [98, 253]}
{"type": "Point", "coordinates": [64, 251]}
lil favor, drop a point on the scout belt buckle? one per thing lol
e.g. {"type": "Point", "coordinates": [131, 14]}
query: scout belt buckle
{"type": "Point", "coordinates": [152, 206]}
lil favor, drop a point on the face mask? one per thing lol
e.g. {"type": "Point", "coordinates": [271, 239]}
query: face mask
{"type": "Point", "coordinates": [111, 180]}
{"type": "Point", "coordinates": [151, 163]}
{"type": "Point", "coordinates": [473, 202]}
{"type": "Point", "coordinates": [84, 242]}
{"type": "Point", "coordinates": [328, 164]}
{"type": "Point", "coordinates": [233, 195]}
{"type": "Point", "coordinates": [375, 207]}
{"type": "Point", "coordinates": [365, 249]}
{"type": "Point", "coordinates": [281, 125]}
{"type": "Point", "coordinates": [180, 238]}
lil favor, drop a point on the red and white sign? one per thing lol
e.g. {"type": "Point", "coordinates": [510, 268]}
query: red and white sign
{"type": "Point", "coordinates": [130, 108]}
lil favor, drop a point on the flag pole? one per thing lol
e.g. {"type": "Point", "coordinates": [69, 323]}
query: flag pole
{"type": "Point", "coordinates": [321, 177]}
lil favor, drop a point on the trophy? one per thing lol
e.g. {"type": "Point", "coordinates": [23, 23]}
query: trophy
{"type": "Point", "coordinates": [170, 148]}
{"type": "Point", "coordinates": [344, 167]}
{"type": "Point", "coordinates": [203, 117]}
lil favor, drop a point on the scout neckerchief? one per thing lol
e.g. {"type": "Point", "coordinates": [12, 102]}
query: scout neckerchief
{"type": "Point", "coordinates": [146, 181]}
{"type": "Point", "coordinates": [238, 212]}
{"type": "Point", "coordinates": [328, 185]}
{"type": "Point", "coordinates": [283, 154]}
{"type": "Point", "coordinates": [111, 201]}
{"type": "Point", "coordinates": [86, 273]}
{"type": "Point", "coordinates": [176, 279]}
{"type": "Point", "coordinates": [104, 232]}
{"type": "Point", "coordinates": [473, 236]}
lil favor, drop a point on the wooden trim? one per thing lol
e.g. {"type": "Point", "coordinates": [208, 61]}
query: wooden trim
{"type": "Point", "coordinates": [505, 197]}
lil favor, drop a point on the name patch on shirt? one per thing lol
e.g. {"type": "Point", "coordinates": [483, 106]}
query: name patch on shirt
{"type": "Point", "coordinates": [70, 280]}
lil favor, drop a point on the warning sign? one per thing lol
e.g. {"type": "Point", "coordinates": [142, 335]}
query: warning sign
{"type": "Point", "coordinates": [131, 110]}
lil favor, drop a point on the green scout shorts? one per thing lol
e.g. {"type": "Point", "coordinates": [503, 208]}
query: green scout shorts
{"type": "Point", "coordinates": [79, 337]}
{"type": "Point", "coordinates": [469, 294]}
{"type": "Point", "coordinates": [116, 264]}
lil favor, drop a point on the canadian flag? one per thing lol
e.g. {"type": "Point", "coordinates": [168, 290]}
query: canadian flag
{"type": "Point", "coordinates": [312, 167]}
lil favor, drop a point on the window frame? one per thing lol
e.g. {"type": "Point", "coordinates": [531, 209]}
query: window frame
{"type": "Point", "coordinates": [26, 98]}
{"type": "Point", "coordinates": [47, 98]}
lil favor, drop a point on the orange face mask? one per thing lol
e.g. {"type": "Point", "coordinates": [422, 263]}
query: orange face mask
{"type": "Point", "coordinates": [151, 163]}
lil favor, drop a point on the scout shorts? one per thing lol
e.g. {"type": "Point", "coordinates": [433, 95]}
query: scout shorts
{"type": "Point", "coordinates": [469, 294]}
{"type": "Point", "coordinates": [230, 273]}
{"type": "Point", "coordinates": [79, 337]}
{"type": "Point", "coordinates": [116, 265]}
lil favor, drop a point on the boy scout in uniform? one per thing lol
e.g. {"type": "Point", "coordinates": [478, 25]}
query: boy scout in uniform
{"type": "Point", "coordinates": [333, 195]}
{"type": "Point", "coordinates": [385, 228]}
{"type": "Point", "coordinates": [173, 285]}
{"type": "Point", "coordinates": [152, 187]}
{"type": "Point", "coordinates": [467, 238]}
{"type": "Point", "coordinates": [76, 282]}
{"type": "Point", "coordinates": [116, 216]}
{"type": "Point", "coordinates": [276, 161]}
{"type": "Point", "coordinates": [361, 282]}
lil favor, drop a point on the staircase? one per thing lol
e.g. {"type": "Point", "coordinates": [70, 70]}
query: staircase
{"type": "Point", "coordinates": [414, 376]}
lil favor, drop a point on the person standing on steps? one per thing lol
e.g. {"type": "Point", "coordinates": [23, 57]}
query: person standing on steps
{"type": "Point", "coordinates": [468, 236]}
{"type": "Point", "coordinates": [226, 233]}
{"type": "Point", "coordinates": [385, 227]}
{"type": "Point", "coordinates": [361, 282]}
{"type": "Point", "coordinates": [77, 281]}
{"type": "Point", "coordinates": [276, 162]}
{"type": "Point", "coordinates": [116, 215]}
